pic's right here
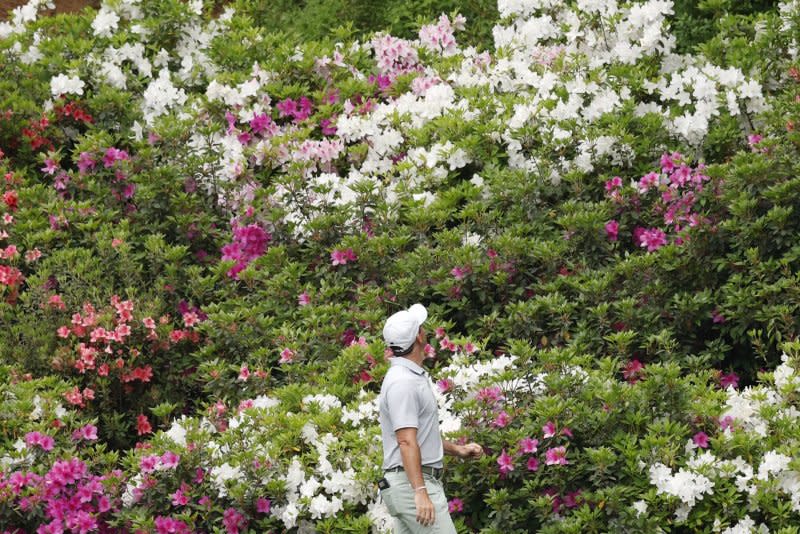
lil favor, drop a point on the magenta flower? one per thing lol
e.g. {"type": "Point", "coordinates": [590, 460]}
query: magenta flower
{"type": "Point", "coordinates": [455, 505]}
{"type": "Point", "coordinates": [505, 462]}
{"type": "Point", "coordinates": [730, 379]}
{"type": "Point", "coordinates": [233, 520]}
{"type": "Point", "coordinates": [556, 456]}
{"type": "Point", "coordinates": [528, 445]}
{"type": "Point", "coordinates": [612, 229]}
{"type": "Point", "coordinates": [754, 139]}
{"type": "Point", "coordinates": [260, 122]}
{"type": "Point", "coordinates": [549, 429]}
{"type": "Point", "coordinates": [533, 464]}
{"type": "Point", "coordinates": [167, 525]}
{"type": "Point", "coordinates": [263, 505]}
{"type": "Point", "coordinates": [701, 440]}
{"type": "Point", "coordinates": [342, 256]}
{"type": "Point", "coordinates": [717, 317]}
{"type": "Point", "coordinates": [653, 239]}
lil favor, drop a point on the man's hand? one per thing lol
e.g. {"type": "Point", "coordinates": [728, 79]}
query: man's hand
{"type": "Point", "coordinates": [470, 450]}
{"type": "Point", "coordinates": [426, 514]}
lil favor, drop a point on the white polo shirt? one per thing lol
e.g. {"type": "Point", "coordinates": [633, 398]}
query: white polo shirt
{"type": "Point", "coordinates": [407, 400]}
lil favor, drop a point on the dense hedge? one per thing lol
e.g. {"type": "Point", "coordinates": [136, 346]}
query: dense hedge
{"type": "Point", "coordinates": [205, 224]}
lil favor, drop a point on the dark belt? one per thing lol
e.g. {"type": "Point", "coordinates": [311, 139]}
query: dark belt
{"type": "Point", "coordinates": [435, 472]}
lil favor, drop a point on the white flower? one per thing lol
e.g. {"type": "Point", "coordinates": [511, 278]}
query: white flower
{"type": "Point", "coordinates": [221, 474]}
{"type": "Point", "coordinates": [325, 401]}
{"type": "Point", "coordinates": [640, 507]}
{"type": "Point", "coordinates": [105, 23]}
{"type": "Point", "coordinates": [773, 462]}
{"type": "Point", "coordinates": [161, 95]}
{"type": "Point", "coordinates": [63, 84]}
{"type": "Point", "coordinates": [177, 433]}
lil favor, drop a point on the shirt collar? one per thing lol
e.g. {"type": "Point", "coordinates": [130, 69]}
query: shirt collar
{"type": "Point", "coordinates": [408, 364]}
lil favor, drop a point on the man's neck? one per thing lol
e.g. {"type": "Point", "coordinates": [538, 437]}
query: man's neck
{"type": "Point", "coordinates": [416, 356]}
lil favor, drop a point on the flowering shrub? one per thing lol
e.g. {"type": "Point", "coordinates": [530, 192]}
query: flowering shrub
{"type": "Point", "coordinates": [205, 224]}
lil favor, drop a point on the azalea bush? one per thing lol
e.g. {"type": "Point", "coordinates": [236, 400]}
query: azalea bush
{"type": "Point", "coordinates": [205, 224]}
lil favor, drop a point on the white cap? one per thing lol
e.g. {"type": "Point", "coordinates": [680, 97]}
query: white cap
{"type": "Point", "coordinates": [401, 328]}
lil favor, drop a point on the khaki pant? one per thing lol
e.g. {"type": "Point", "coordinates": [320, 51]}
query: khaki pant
{"type": "Point", "coordinates": [399, 499]}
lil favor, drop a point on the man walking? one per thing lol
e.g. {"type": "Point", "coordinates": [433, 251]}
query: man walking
{"type": "Point", "coordinates": [413, 448]}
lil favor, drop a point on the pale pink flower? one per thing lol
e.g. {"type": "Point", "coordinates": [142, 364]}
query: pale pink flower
{"type": "Point", "coordinates": [528, 445]}
{"type": "Point", "coordinates": [303, 299]}
{"type": "Point", "coordinates": [287, 356]}
{"type": "Point", "coordinates": [549, 429]}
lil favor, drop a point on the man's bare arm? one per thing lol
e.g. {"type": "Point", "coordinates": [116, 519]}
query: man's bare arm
{"type": "Point", "coordinates": [470, 450]}
{"type": "Point", "coordinates": [412, 464]}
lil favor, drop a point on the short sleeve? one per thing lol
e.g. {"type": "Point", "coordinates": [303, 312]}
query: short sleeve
{"type": "Point", "coordinates": [402, 404]}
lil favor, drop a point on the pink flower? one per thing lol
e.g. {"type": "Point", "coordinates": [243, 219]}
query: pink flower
{"type": "Point", "coordinates": [455, 505]}
{"type": "Point", "coordinates": [50, 166]}
{"type": "Point", "coordinates": [88, 432]}
{"type": "Point", "coordinates": [653, 239]}
{"type": "Point", "coordinates": [342, 256]}
{"type": "Point", "coordinates": [556, 456]}
{"type": "Point", "coordinates": [244, 373]}
{"type": "Point", "coordinates": [85, 162]}
{"type": "Point", "coordinates": [612, 229]}
{"type": "Point", "coordinates": [148, 463]}
{"type": "Point", "coordinates": [533, 464]}
{"type": "Point", "coordinates": [726, 422]}
{"type": "Point", "coordinates": [549, 429]}
{"type": "Point", "coordinates": [701, 440]}
{"type": "Point", "coordinates": [169, 460]}
{"type": "Point", "coordinates": [430, 352]}
{"type": "Point", "coordinates": [647, 181]}
{"type": "Point", "coordinates": [614, 183]}
{"type": "Point", "coordinates": [502, 420]}
{"type": "Point", "coordinates": [505, 462]}
{"type": "Point", "coordinates": [490, 395]}
{"type": "Point", "coordinates": [754, 139]}
{"type": "Point", "coordinates": [303, 299]}
{"type": "Point", "coordinates": [445, 385]}
{"type": "Point", "coordinates": [459, 272]}
{"type": "Point", "coordinates": [287, 356]}
{"type": "Point", "coordinates": [528, 445]}
{"type": "Point", "coordinates": [717, 317]}
{"type": "Point", "coordinates": [179, 498]}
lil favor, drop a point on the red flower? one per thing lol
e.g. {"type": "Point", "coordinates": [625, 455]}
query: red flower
{"type": "Point", "coordinates": [143, 425]}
